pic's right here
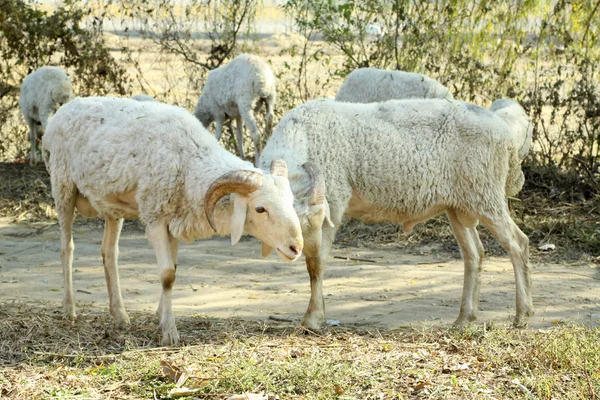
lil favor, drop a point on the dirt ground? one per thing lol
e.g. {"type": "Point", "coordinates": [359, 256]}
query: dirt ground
{"type": "Point", "coordinates": [220, 281]}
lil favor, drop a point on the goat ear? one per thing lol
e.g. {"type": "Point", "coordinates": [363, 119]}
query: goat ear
{"type": "Point", "coordinates": [238, 217]}
{"type": "Point", "coordinates": [266, 250]}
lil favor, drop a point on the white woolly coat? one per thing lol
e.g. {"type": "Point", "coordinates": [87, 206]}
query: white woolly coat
{"type": "Point", "coordinates": [156, 155]}
{"type": "Point", "coordinates": [516, 118]}
{"type": "Point", "coordinates": [234, 86]}
{"type": "Point", "coordinates": [42, 93]}
{"type": "Point", "coordinates": [400, 161]}
{"type": "Point", "coordinates": [371, 85]}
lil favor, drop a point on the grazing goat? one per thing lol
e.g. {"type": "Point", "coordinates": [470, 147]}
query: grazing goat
{"type": "Point", "coordinates": [403, 161]}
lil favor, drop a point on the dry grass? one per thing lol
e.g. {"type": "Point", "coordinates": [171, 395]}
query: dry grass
{"type": "Point", "coordinates": [25, 193]}
{"type": "Point", "coordinates": [44, 356]}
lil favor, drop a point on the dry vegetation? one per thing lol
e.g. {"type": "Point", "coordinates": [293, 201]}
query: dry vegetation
{"type": "Point", "coordinates": [44, 356]}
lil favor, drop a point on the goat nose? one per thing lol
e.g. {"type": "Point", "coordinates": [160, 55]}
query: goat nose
{"type": "Point", "coordinates": [295, 250]}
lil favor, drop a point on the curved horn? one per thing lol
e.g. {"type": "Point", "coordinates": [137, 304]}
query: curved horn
{"type": "Point", "coordinates": [240, 181]}
{"type": "Point", "coordinates": [317, 184]}
{"type": "Point", "coordinates": [279, 167]}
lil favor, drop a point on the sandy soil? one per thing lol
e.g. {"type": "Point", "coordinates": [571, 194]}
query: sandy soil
{"type": "Point", "coordinates": [217, 280]}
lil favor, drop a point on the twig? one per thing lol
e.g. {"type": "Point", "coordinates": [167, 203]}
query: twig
{"type": "Point", "coordinates": [572, 273]}
{"type": "Point", "coordinates": [83, 291]}
{"type": "Point", "coordinates": [432, 262]}
{"type": "Point", "coordinates": [587, 377]}
{"type": "Point", "coordinates": [354, 259]}
{"type": "Point", "coordinates": [153, 350]}
{"type": "Point", "coordinates": [280, 319]}
{"type": "Point", "coordinates": [525, 390]}
{"type": "Point", "coordinates": [583, 164]}
{"type": "Point", "coordinates": [587, 23]}
{"type": "Point", "coordinates": [50, 354]}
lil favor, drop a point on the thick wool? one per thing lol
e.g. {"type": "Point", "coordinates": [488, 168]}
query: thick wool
{"type": "Point", "coordinates": [234, 91]}
{"type": "Point", "coordinates": [102, 147]}
{"type": "Point", "coordinates": [516, 118]}
{"type": "Point", "coordinates": [371, 85]}
{"type": "Point", "coordinates": [403, 161]}
{"type": "Point", "coordinates": [122, 158]}
{"type": "Point", "coordinates": [42, 93]}
{"type": "Point", "coordinates": [400, 161]}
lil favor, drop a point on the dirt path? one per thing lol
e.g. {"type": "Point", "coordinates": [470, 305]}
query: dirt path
{"type": "Point", "coordinates": [218, 280]}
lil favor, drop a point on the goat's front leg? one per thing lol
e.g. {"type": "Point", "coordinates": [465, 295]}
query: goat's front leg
{"type": "Point", "coordinates": [472, 252]}
{"type": "Point", "coordinates": [250, 121]}
{"type": "Point", "coordinates": [174, 245]}
{"type": "Point", "coordinates": [33, 134]}
{"type": "Point", "coordinates": [219, 127]}
{"type": "Point", "coordinates": [316, 257]}
{"type": "Point", "coordinates": [110, 254]}
{"type": "Point", "coordinates": [158, 235]}
{"type": "Point", "coordinates": [239, 135]}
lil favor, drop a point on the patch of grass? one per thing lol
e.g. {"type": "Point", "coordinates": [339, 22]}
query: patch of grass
{"type": "Point", "coordinates": [42, 355]}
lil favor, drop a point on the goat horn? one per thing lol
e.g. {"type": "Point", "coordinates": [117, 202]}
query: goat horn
{"type": "Point", "coordinates": [279, 167]}
{"type": "Point", "coordinates": [240, 181]}
{"type": "Point", "coordinates": [317, 184]}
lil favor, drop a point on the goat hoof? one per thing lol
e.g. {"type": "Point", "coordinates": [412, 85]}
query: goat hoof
{"type": "Point", "coordinates": [121, 317]}
{"type": "Point", "coordinates": [313, 323]}
{"type": "Point", "coordinates": [464, 320]}
{"type": "Point", "coordinates": [69, 312]}
{"type": "Point", "coordinates": [170, 338]}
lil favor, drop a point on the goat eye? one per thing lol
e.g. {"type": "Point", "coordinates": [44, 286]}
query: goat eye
{"type": "Point", "coordinates": [260, 210]}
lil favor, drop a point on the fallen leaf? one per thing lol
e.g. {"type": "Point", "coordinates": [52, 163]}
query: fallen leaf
{"type": "Point", "coordinates": [248, 396]}
{"type": "Point", "coordinates": [386, 347]}
{"type": "Point", "coordinates": [170, 370]}
{"type": "Point", "coordinates": [183, 391]}
{"type": "Point", "coordinates": [421, 386]}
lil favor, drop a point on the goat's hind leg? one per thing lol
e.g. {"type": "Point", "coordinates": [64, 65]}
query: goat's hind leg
{"type": "Point", "coordinates": [110, 255]}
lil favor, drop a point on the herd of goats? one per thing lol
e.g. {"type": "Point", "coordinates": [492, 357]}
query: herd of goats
{"type": "Point", "coordinates": [392, 147]}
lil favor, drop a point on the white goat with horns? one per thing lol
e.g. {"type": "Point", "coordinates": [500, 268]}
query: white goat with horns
{"type": "Point", "coordinates": [122, 158]}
